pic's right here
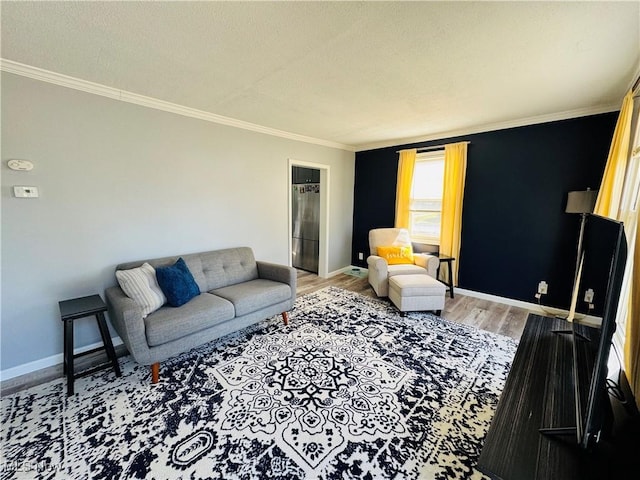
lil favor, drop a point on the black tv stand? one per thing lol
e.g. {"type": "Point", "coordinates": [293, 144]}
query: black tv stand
{"type": "Point", "coordinates": [533, 432]}
{"type": "Point", "coordinates": [569, 332]}
{"type": "Point", "coordinates": [558, 431]}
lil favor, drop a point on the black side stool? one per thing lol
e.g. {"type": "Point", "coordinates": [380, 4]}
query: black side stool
{"type": "Point", "coordinates": [448, 260]}
{"type": "Point", "coordinates": [71, 310]}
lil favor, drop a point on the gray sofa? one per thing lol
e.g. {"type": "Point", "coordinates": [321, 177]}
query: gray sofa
{"type": "Point", "coordinates": [236, 291]}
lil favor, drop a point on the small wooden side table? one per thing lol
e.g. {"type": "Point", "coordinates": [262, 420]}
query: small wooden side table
{"type": "Point", "coordinates": [74, 309]}
{"type": "Point", "coordinates": [448, 260]}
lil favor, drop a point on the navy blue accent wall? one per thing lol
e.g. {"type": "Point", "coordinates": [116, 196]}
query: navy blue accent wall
{"type": "Point", "coordinates": [514, 229]}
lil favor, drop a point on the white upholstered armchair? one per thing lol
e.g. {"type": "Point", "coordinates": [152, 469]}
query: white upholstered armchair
{"type": "Point", "coordinates": [380, 270]}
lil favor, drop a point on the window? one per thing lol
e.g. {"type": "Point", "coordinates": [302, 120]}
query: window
{"type": "Point", "coordinates": [425, 207]}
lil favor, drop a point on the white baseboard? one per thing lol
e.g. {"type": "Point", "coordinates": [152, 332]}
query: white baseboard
{"type": "Point", "coordinates": [533, 307]}
{"type": "Point", "coordinates": [346, 269]}
{"type": "Point", "coordinates": [589, 320]}
{"type": "Point", "coordinates": [57, 359]}
{"type": "Point", "coordinates": [50, 361]}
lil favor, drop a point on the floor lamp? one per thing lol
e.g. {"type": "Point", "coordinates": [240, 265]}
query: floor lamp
{"type": "Point", "coordinates": [581, 202]}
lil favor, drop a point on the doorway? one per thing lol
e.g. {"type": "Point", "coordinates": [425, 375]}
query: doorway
{"type": "Point", "coordinates": [305, 218]}
{"type": "Point", "coordinates": [308, 216]}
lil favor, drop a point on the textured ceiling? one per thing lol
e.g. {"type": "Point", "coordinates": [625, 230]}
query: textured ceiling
{"type": "Point", "coordinates": [356, 73]}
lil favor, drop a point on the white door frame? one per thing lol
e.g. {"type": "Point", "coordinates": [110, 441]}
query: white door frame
{"type": "Point", "coordinates": [323, 257]}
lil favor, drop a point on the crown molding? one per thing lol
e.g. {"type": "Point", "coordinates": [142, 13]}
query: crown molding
{"type": "Point", "coordinates": [67, 81]}
{"type": "Point", "coordinates": [489, 127]}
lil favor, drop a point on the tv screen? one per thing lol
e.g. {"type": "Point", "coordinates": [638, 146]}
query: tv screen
{"type": "Point", "coordinates": [604, 258]}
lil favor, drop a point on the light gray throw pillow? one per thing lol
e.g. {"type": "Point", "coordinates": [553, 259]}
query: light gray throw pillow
{"type": "Point", "coordinates": [140, 284]}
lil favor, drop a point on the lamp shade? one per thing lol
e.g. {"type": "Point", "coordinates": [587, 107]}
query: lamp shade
{"type": "Point", "coordinates": [581, 201]}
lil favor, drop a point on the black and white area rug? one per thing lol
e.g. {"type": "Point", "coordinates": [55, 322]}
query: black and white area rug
{"type": "Point", "coordinates": [349, 390]}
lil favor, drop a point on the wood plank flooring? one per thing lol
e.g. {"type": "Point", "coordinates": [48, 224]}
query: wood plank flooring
{"type": "Point", "coordinates": [494, 317]}
{"type": "Point", "coordinates": [491, 316]}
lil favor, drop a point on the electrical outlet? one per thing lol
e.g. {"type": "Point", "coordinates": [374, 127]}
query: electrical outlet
{"type": "Point", "coordinates": [588, 296]}
{"type": "Point", "coordinates": [360, 256]}
{"type": "Point", "coordinates": [542, 287]}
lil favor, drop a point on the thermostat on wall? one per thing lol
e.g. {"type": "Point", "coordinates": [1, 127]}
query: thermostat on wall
{"type": "Point", "coordinates": [25, 192]}
{"type": "Point", "coordinates": [21, 165]}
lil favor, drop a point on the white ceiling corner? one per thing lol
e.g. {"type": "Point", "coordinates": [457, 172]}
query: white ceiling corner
{"type": "Point", "coordinates": [351, 75]}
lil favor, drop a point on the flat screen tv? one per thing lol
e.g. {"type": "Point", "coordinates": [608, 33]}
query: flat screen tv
{"type": "Point", "coordinates": [604, 257]}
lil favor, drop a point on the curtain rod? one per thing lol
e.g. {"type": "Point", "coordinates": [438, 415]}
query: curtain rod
{"type": "Point", "coordinates": [434, 147]}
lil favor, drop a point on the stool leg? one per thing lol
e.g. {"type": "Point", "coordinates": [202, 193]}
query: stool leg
{"type": "Point", "coordinates": [68, 355]}
{"type": "Point", "coordinates": [64, 348]}
{"type": "Point", "coordinates": [450, 279]}
{"type": "Point", "coordinates": [108, 345]}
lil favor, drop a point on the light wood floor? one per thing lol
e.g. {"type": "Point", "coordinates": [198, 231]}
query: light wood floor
{"type": "Point", "coordinates": [494, 317]}
{"type": "Point", "coordinates": [491, 316]}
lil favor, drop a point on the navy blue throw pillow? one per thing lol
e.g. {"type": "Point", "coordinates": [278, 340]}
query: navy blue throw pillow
{"type": "Point", "coordinates": [177, 283]}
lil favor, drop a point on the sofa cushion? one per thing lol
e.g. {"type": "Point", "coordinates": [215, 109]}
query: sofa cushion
{"type": "Point", "coordinates": [171, 323]}
{"type": "Point", "coordinates": [140, 285]}
{"type": "Point", "coordinates": [213, 269]}
{"type": "Point", "coordinates": [177, 283]}
{"type": "Point", "coordinates": [227, 267]}
{"type": "Point", "coordinates": [253, 295]}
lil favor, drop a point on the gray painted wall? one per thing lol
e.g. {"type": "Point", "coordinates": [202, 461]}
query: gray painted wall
{"type": "Point", "coordinates": [121, 182]}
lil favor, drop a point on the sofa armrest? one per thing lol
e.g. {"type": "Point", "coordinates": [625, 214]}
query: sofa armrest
{"type": "Point", "coordinates": [279, 273]}
{"type": "Point", "coordinates": [126, 317]}
{"type": "Point", "coordinates": [428, 262]}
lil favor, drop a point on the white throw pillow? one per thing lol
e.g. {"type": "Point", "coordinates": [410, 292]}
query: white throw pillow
{"type": "Point", "coordinates": [140, 284]}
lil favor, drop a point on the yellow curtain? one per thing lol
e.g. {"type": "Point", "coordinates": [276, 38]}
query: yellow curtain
{"type": "Point", "coordinates": [403, 190]}
{"type": "Point", "coordinates": [455, 167]}
{"type": "Point", "coordinates": [616, 199]}
{"type": "Point", "coordinates": [608, 200]}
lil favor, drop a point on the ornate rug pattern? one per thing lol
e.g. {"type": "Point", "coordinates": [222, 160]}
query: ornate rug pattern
{"type": "Point", "coordinates": [349, 390]}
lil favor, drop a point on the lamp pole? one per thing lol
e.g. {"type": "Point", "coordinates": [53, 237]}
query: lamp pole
{"type": "Point", "coordinates": [583, 220]}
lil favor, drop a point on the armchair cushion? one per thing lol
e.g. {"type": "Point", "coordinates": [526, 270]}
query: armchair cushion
{"type": "Point", "coordinates": [396, 255]}
{"type": "Point", "coordinates": [405, 269]}
{"type": "Point", "coordinates": [398, 237]}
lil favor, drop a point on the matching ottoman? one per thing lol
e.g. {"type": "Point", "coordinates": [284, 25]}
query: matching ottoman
{"type": "Point", "coordinates": [412, 293]}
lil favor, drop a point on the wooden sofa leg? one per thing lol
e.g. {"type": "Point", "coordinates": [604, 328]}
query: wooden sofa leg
{"type": "Point", "coordinates": [285, 318]}
{"type": "Point", "coordinates": [155, 372]}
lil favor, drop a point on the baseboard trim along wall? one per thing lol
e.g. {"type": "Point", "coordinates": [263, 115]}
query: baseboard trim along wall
{"type": "Point", "coordinates": [588, 320]}
{"type": "Point", "coordinates": [347, 269]}
{"type": "Point", "coordinates": [47, 362]}
{"type": "Point", "coordinates": [53, 360]}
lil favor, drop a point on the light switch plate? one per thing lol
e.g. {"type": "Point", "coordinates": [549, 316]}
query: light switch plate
{"type": "Point", "coordinates": [25, 192]}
